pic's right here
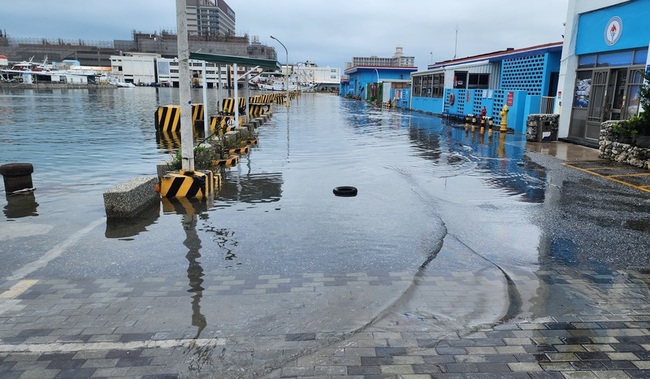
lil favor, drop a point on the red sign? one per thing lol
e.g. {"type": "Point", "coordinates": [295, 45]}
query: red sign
{"type": "Point", "coordinates": [510, 99]}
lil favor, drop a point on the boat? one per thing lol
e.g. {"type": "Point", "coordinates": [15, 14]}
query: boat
{"type": "Point", "coordinates": [121, 84]}
{"type": "Point", "coordinates": [30, 72]}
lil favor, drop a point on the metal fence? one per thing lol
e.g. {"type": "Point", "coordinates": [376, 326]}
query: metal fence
{"type": "Point", "coordinates": [58, 42]}
{"type": "Point", "coordinates": [546, 105]}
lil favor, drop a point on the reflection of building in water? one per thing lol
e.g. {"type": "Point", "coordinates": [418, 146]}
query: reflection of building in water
{"type": "Point", "coordinates": [252, 188]}
{"type": "Point", "coordinates": [462, 149]}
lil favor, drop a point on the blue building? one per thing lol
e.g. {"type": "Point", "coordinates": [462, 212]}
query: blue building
{"type": "Point", "coordinates": [380, 80]}
{"type": "Point", "coordinates": [605, 54]}
{"type": "Point", "coordinates": [524, 79]}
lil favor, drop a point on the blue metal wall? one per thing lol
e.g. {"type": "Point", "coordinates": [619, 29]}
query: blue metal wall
{"type": "Point", "coordinates": [472, 102]}
{"type": "Point", "coordinates": [635, 32]}
{"type": "Point", "coordinates": [364, 75]}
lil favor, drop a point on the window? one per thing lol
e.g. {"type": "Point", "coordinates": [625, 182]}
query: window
{"type": "Point", "coordinates": [427, 80]}
{"type": "Point", "coordinates": [583, 89]}
{"type": "Point", "coordinates": [431, 85]}
{"type": "Point", "coordinates": [417, 85]}
{"type": "Point", "coordinates": [478, 81]}
{"type": "Point", "coordinates": [615, 59]}
{"type": "Point", "coordinates": [633, 93]}
{"type": "Point", "coordinates": [460, 79]}
{"type": "Point", "coordinates": [587, 61]}
{"type": "Point", "coordinates": [438, 85]}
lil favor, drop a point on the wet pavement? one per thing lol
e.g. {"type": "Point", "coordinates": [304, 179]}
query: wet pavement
{"type": "Point", "coordinates": [484, 302]}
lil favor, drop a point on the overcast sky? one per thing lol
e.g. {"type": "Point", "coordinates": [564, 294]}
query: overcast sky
{"type": "Point", "coordinates": [327, 32]}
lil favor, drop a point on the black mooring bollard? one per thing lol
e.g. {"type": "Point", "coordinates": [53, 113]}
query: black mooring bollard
{"type": "Point", "coordinates": [17, 176]}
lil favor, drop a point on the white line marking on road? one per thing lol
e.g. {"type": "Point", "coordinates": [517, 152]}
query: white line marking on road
{"type": "Point", "coordinates": [53, 253]}
{"type": "Point", "coordinates": [132, 345]}
{"type": "Point", "coordinates": [18, 289]}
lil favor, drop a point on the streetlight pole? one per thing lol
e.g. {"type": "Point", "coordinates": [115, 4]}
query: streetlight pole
{"type": "Point", "coordinates": [287, 68]}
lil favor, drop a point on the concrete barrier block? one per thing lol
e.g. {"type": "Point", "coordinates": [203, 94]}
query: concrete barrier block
{"type": "Point", "coordinates": [130, 198]}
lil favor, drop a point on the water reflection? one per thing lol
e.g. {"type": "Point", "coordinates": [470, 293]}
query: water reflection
{"type": "Point", "coordinates": [251, 188]}
{"type": "Point", "coordinates": [21, 205]}
{"type": "Point", "coordinates": [168, 142]}
{"type": "Point", "coordinates": [456, 151]}
{"type": "Point", "coordinates": [194, 271]}
{"type": "Point", "coordinates": [129, 227]}
{"type": "Point", "coordinates": [185, 206]}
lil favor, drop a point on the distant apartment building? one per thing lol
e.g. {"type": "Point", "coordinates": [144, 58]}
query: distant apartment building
{"type": "Point", "coordinates": [397, 60]}
{"type": "Point", "coordinates": [210, 18]}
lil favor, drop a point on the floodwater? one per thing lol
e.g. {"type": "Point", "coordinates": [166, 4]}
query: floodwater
{"type": "Point", "coordinates": [81, 143]}
{"type": "Point", "coordinates": [432, 200]}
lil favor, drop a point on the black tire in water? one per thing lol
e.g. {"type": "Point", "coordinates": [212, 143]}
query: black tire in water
{"type": "Point", "coordinates": [345, 191]}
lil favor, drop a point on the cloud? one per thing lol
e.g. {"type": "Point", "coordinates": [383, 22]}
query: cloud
{"type": "Point", "coordinates": [328, 32]}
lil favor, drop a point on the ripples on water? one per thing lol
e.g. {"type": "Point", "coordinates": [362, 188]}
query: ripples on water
{"type": "Point", "coordinates": [279, 199]}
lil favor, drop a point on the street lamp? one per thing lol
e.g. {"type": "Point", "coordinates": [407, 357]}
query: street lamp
{"type": "Point", "coordinates": [287, 64]}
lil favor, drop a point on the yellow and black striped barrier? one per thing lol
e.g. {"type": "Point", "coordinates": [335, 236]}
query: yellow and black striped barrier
{"type": "Point", "coordinates": [228, 162]}
{"type": "Point", "coordinates": [222, 124]}
{"type": "Point", "coordinates": [242, 105]}
{"type": "Point", "coordinates": [228, 106]}
{"type": "Point", "coordinates": [258, 109]}
{"type": "Point", "coordinates": [197, 184]}
{"type": "Point", "coordinates": [197, 113]}
{"type": "Point", "coordinates": [239, 150]}
{"type": "Point", "coordinates": [168, 118]}
{"type": "Point", "coordinates": [258, 105]}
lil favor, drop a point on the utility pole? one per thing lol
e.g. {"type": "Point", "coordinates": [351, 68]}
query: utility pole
{"type": "Point", "coordinates": [456, 43]}
{"type": "Point", "coordinates": [185, 94]}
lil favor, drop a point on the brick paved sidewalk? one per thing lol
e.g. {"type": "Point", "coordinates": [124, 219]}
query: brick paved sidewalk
{"type": "Point", "coordinates": [609, 338]}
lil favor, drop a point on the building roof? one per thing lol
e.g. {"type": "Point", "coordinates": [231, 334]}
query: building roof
{"type": "Point", "coordinates": [354, 69]}
{"type": "Point", "coordinates": [509, 53]}
{"type": "Point", "coordinates": [231, 59]}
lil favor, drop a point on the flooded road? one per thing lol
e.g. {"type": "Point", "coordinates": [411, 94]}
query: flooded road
{"type": "Point", "coordinates": [450, 230]}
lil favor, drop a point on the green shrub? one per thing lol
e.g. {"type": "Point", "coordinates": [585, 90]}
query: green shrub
{"type": "Point", "coordinates": [631, 127]}
{"type": "Point", "coordinates": [203, 157]}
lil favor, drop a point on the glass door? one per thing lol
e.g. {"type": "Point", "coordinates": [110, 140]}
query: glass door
{"type": "Point", "coordinates": [598, 107]}
{"type": "Point", "coordinates": [632, 99]}
{"type": "Point", "coordinates": [616, 94]}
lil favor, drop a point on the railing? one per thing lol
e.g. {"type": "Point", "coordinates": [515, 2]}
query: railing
{"type": "Point", "coordinates": [546, 105]}
{"type": "Point", "coordinates": [58, 42]}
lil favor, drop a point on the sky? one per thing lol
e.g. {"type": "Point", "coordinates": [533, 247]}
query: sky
{"type": "Point", "coordinates": [326, 32]}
